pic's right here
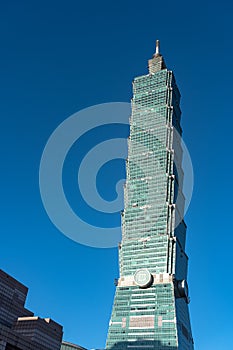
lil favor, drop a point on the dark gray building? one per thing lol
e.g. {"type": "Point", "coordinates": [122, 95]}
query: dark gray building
{"type": "Point", "coordinates": [19, 328]}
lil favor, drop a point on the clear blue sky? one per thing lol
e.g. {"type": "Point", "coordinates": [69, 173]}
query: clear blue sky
{"type": "Point", "coordinates": [58, 57]}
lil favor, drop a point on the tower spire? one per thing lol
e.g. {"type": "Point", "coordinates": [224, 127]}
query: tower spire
{"type": "Point", "coordinates": [157, 62]}
{"type": "Point", "coordinates": [157, 47]}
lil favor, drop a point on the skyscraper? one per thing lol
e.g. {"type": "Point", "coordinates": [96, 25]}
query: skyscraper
{"type": "Point", "coordinates": [150, 309]}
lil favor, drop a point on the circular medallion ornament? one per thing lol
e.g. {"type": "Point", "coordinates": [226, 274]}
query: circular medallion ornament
{"type": "Point", "coordinates": [143, 278]}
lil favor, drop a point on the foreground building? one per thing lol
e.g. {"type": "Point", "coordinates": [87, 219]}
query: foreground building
{"type": "Point", "coordinates": [69, 346]}
{"type": "Point", "coordinates": [19, 328]}
{"type": "Point", "coordinates": [150, 309]}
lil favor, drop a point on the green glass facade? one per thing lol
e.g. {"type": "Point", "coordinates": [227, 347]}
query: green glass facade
{"type": "Point", "coordinates": [150, 308]}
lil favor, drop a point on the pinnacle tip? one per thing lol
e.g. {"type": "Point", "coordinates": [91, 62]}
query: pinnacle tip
{"type": "Point", "coordinates": [157, 47]}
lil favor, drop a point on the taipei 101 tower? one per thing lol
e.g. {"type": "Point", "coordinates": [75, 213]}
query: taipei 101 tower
{"type": "Point", "coordinates": [150, 308]}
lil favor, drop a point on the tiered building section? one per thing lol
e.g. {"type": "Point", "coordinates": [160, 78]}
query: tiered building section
{"type": "Point", "coordinates": [151, 303]}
